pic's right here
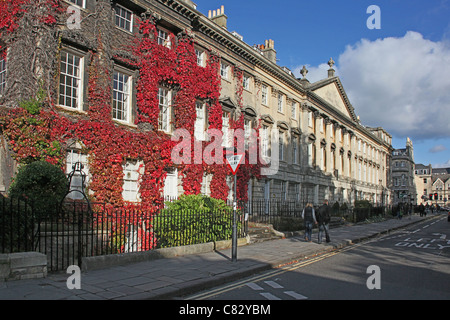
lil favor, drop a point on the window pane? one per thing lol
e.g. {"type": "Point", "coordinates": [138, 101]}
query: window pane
{"type": "Point", "coordinates": [124, 18]}
{"type": "Point", "coordinates": [121, 107]}
{"type": "Point", "coordinates": [69, 80]}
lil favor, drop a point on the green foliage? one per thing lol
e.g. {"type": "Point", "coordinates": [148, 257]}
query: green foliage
{"type": "Point", "coordinates": [197, 202]}
{"type": "Point", "coordinates": [34, 105]}
{"type": "Point", "coordinates": [193, 219]}
{"type": "Point", "coordinates": [42, 183]}
{"type": "Point", "coordinates": [362, 204]}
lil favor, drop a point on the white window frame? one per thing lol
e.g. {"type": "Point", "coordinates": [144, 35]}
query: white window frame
{"type": "Point", "coordinates": [293, 109]}
{"type": "Point", "coordinates": [265, 142]}
{"type": "Point", "coordinates": [226, 129]}
{"type": "Point", "coordinates": [224, 70]}
{"type": "Point", "coordinates": [122, 95]}
{"type": "Point", "coordinates": [310, 154]}
{"type": "Point", "coordinates": [132, 171]}
{"type": "Point", "coordinates": [246, 82]}
{"type": "Point", "coordinates": [205, 187]}
{"type": "Point", "coordinates": [200, 121]}
{"type": "Point", "coordinates": [200, 57]}
{"type": "Point", "coordinates": [264, 94]}
{"type": "Point", "coordinates": [247, 131]}
{"type": "Point", "coordinates": [280, 102]}
{"type": "Point", "coordinates": [165, 109]}
{"type": "Point", "coordinates": [3, 70]}
{"type": "Point", "coordinates": [171, 185]}
{"type": "Point", "coordinates": [76, 2]}
{"type": "Point", "coordinates": [121, 18]}
{"type": "Point", "coordinates": [69, 79]}
{"type": "Point", "coordinates": [322, 158]}
{"type": "Point", "coordinates": [164, 38]}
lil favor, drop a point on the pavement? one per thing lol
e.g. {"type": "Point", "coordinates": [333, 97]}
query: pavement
{"type": "Point", "coordinates": [168, 278]}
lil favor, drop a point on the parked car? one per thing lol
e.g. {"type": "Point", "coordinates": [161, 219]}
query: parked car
{"type": "Point", "coordinates": [448, 216]}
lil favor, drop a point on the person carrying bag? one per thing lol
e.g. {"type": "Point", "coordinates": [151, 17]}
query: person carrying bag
{"type": "Point", "coordinates": [309, 217]}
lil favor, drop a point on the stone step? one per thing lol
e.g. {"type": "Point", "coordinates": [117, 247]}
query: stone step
{"type": "Point", "coordinates": [260, 233]}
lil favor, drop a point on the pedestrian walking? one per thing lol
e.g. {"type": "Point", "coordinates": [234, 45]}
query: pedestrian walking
{"type": "Point", "coordinates": [323, 217]}
{"type": "Point", "coordinates": [400, 212]}
{"type": "Point", "coordinates": [309, 217]}
{"type": "Point", "coordinates": [421, 209]}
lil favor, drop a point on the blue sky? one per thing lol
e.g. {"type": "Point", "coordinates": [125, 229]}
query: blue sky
{"type": "Point", "coordinates": [397, 77]}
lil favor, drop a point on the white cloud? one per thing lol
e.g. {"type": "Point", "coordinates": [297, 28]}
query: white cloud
{"type": "Point", "coordinates": [438, 148]}
{"type": "Point", "coordinates": [401, 84]}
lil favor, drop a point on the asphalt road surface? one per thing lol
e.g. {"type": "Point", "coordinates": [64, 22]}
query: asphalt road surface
{"type": "Point", "coordinates": [409, 264]}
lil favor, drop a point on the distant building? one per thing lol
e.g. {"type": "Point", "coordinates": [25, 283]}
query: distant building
{"type": "Point", "coordinates": [431, 182]}
{"type": "Point", "coordinates": [403, 182]}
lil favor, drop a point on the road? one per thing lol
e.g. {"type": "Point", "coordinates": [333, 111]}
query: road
{"type": "Point", "coordinates": [411, 263]}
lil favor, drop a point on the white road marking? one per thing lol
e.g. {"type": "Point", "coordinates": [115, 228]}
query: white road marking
{"type": "Point", "coordinates": [274, 285]}
{"type": "Point", "coordinates": [269, 296]}
{"type": "Point", "coordinates": [254, 286]}
{"type": "Point", "coordinates": [295, 295]}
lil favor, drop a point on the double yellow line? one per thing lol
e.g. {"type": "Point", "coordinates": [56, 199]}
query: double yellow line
{"type": "Point", "coordinates": [279, 270]}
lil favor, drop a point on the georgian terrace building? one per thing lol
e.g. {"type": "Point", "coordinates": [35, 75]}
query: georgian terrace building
{"type": "Point", "coordinates": [324, 150]}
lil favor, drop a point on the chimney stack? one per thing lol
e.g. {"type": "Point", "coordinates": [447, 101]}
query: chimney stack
{"type": "Point", "coordinates": [218, 17]}
{"type": "Point", "coordinates": [269, 50]}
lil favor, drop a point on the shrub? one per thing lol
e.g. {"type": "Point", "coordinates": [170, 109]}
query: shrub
{"type": "Point", "coordinates": [193, 219]}
{"type": "Point", "coordinates": [363, 204]}
{"type": "Point", "coordinates": [42, 183]}
{"type": "Point", "coordinates": [197, 202]}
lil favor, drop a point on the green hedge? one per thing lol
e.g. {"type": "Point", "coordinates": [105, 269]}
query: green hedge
{"type": "Point", "coordinates": [193, 219]}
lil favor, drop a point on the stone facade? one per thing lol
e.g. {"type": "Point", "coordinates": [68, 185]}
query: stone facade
{"type": "Point", "coordinates": [325, 152]}
{"type": "Point", "coordinates": [430, 181]}
{"type": "Point", "coordinates": [404, 187]}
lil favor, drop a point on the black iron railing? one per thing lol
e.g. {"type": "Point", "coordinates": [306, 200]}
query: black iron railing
{"type": "Point", "coordinates": [81, 229]}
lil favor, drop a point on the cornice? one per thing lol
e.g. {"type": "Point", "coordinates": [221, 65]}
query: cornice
{"type": "Point", "coordinates": [200, 23]}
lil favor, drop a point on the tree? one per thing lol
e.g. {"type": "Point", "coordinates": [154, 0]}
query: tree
{"type": "Point", "coordinates": [42, 183]}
